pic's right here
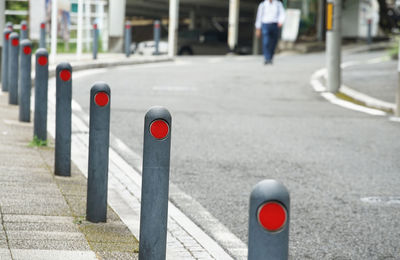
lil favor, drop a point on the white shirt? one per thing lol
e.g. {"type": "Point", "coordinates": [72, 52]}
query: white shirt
{"type": "Point", "coordinates": [270, 12]}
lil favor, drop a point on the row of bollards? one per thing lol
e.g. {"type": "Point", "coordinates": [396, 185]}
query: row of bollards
{"type": "Point", "coordinates": [269, 212]}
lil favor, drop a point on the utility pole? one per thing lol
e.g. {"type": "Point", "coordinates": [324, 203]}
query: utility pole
{"type": "Point", "coordinates": [333, 44]}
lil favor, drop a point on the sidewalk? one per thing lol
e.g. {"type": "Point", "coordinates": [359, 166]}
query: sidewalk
{"type": "Point", "coordinates": [43, 216]}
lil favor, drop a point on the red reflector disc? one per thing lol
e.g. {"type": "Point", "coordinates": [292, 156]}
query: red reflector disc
{"type": "Point", "coordinates": [159, 129]}
{"type": "Point", "coordinates": [101, 99]}
{"type": "Point", "coordinates": [65, 75]}
{"type": "Point", "coordinates": [42, 60]}
{"type": "Point", "coordinates": [95, 26]}
{"type": "Point", "coordinates": [7, 36]}
{"type": "Point", "coordinates": [24, 27]}
{"type": "Point", "coordinates": [43, 25]}
{"type": "Point", "coordinates": [272, 216]}
{"type": "Point", "coordinates": [27, 50]}
{"type": "Point", "coordinates": [15, 42]}
{"type": "Point", "coordinates": [127, 26]}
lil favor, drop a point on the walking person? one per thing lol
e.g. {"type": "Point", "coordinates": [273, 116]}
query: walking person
{"type": "Point", "coordinates": [270, 17]}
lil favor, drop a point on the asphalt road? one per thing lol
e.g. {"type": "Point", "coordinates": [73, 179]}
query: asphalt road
{"type": "Point", "coordinates": [236, 122]}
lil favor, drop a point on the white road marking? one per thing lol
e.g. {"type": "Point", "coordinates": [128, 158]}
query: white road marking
{"type": "Point", "coordinates": [382, 200]}
{"type": "Point", "coordinates": [124, 194]}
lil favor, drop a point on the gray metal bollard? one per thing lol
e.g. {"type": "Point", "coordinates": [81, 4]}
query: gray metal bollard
{"type": "Point", "coordinates": [269, 217]}
{"type": "Point", "coordinates": [128, 38]}
{"type": "Point", "coordinates": [99, 136]}
{"type": "Point", "coordinates": [13, 60]}
{"type": "Point", "coordinates": [24, 30]}
{"type": "Point", "coordinates": [9, 25]}
{"type": "Point", "coordinates": [369, 35]}
{"type": "Point", "coordinates": [25, 81]}
{"type": "Point", "coordinates": [155, 184]}
{"type": "Point", "coordinates": [4, 60]}
{"type": "Point", "coordinates": [41, 86]}
{"type": "Point", "coordinates": [63, 119]}
{"type": "Point", "coordinates": [95, 41]}
{"type": "Point", "coordinates": [42, 42]}
{"type": "Point", "coordinates": [157, 36]}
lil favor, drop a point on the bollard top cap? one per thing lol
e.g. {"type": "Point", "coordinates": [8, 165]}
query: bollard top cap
{"type": "Point", "coordinates": [270, 190]}
{"type": "Point", "coordinates": [7, 31]}
{"type": "Point", "coordinates": [100, 92]}
{"type": "Point", "coordinates": [26, 42]}
{"type": "Point", "coordinates": [64, 66]}
{"type": "Point", "coordinates": [42, 52]}
{"type": "Point", "coordinates": [14, 35]}
{"type": "Point", "coordinates": [158, 120]}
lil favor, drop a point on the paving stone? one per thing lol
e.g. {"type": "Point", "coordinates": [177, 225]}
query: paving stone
{"type": "Point", "coordinates": [37, 219]}
{"type": "Point", "coordinates": [5, 254]}
{"type": "Point", "coordinates": [45, 235]}
{"type": "Point", "coordinates": [23, 254]}
{"type": "Point", "coordinates": [49, 244]}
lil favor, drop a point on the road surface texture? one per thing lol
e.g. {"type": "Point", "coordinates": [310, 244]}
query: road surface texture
{"type": "Point", "coordinates": [236, 122]}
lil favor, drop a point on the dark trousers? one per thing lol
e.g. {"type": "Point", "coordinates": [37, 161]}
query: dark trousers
{"type": "Point", "coordinates": [270, 33]}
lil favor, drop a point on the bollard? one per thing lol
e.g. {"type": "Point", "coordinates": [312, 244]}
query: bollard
{"type": "Point", "coordinates": [128, 38]}
{"type": "Point", "coordinates": [24, 30]}
{"type": "Point", "coordinates": [25, 81]}
{"type": "Point", "coordinates": [41, 86]}
{"type": "Point", "coordinates": [63, 120]}
{"type": "Point", "coordinates": [99, 135]}
{"type": "Point", "coordinates": [4, 60]}
{"type": "Point", "coordinates": [269, 217]}
{"type": "Point", "coordinates": [9, 25]}
{"type": "Point", "coordinates": [155, 184]}
{"type": "Point", "coordinates": [369, 33]}
{"type": "Point", "coordinates": [95, 41]}
{"type": "Point", "coordinates": [13, 59]}
{"type": "Point", "coordinates": [42, 42]}
{"type": "Point", "coordinates": [157, 36]}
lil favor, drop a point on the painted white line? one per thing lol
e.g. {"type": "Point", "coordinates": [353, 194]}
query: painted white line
{"type": "Point", "coordinates": [394, 119]}
{"type": "Point", "coordinates": [368, 100]}
{"type": "Point", "coordinates": [346, 104]}
{"type": "Point", "coordinates": [382, 200]}
{"type": "Point", "coordinates": [319, 87]}
{"type": "Point", "coordinates": [124, 196]}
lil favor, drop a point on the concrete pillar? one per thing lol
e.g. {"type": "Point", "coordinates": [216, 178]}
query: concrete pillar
{"type": "Point", "coordinates": [173, 27]}
{"type": "Point", "coordinates": [333, 44]}
{"type": "Point", "coordinates": [192, 20]}
{"type": "Point", "coordinates": [53, 46]}
{"type": "Point", "coordinates": [233, 29]}
{"type": "Point", "coordinates": [116, 24]}
{"type": "Point", "coordinates": [80, 30]}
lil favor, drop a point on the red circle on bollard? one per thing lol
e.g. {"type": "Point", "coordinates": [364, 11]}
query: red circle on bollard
{"type": "Point", "coordinates": [15, 42]}
{"type": "Point", "coordinates": [24, 27]}
{"type": "Point", "coordinates": [127, 26]}
{"type": "Point", "coordinates": [95, 26]}
{"type": "Point", "coordinates": [65, 75]}
{"type": "Point", "coordinates": [159, 129]}
{"type": "Point", "coordinates": [272, 216]}
{"type": "Point", "coordinates": [7, 36]}
{"type": "Point", "coordinates": [42, 60]}
{"type": "Point", "coordinates": [101, 99]}
{"type": "Point", "coordinates": [157, 25]}
{"type": "Point", "coordinates": [27, 50]}
{"type": "Point", "coordinates": [43, 25]}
